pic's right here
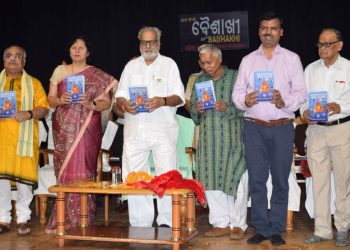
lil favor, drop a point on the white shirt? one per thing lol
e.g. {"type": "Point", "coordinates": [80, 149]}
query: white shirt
{"type": "Point", "coordinates": [335, 80]}
{"type": "Point", "coordinates": [162, 79]}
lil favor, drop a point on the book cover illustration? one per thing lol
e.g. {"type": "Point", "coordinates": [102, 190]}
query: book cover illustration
{"type": "Point", "coordinates": [206, 94]}
{"type": "Point", "coordinates": [8, 104]}
{"type": "Point", "coordinates": [318, 106]}
{"type": "Point", "coordinates": [139, 95]}
{"type": "Point", "coordinates": [76, 87]}
{"type": "Point", "coordinates": [264, 85]}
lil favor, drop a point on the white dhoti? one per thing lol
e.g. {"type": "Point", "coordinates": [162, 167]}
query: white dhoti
{"type": "Point", "coordinates": [225, 211]}
{"type": "Point", "coordinates": [23, 200]}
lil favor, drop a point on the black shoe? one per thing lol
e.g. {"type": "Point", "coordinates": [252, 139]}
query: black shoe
{"type": "Point", "coordinates": [277, 240]}
{"type": "Point", "coordinates": [163, 225]}
{"type": "Point", "coordinates": [256, 239]}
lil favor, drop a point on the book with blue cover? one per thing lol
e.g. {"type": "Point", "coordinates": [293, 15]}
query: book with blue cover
{"type": "Point", "coordinates": [76, 86]}
{"type": "Point", "coordinates": [139, 95]}
{"type": "Point", "coordinates": [264, 85]}
{"type": "Point", "coordinates": [318, 106]}
{"type": "Point", "coordinates": [206, 94]}
{"type": "Point", "coordinates": [8, 104]}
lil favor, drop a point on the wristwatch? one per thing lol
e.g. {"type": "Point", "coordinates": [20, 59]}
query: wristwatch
{"type": "Point", "coordinates": [31, 114]}
{"type": "Point", "coordinates": [93, 105]}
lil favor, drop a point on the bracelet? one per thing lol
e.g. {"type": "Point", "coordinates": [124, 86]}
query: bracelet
{"type": "Point", "coordinates": [164, 101]}
{"type": "Point", "coordinates": [31, 114]}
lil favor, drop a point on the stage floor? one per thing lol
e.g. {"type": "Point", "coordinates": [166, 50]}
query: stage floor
{"type": "Point", "coordinates": [303, 227]}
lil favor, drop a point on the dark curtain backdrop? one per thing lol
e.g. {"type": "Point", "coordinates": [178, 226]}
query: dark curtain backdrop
{"type": "Point", "coordinates": [44, 28]}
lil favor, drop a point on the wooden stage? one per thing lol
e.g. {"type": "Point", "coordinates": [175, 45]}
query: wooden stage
{"type": "Point", "coordinates": [38, 240]}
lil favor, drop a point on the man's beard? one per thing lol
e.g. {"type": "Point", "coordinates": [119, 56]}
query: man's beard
{"type": "Point", "coordinates": [150, 55]}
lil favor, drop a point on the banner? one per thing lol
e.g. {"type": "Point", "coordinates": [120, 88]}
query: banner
{"type": "Point", "coordinates": [226, 30]}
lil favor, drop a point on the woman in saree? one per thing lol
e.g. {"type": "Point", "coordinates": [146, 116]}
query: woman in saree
{"type": "Point", "coordinates": [77, 128]}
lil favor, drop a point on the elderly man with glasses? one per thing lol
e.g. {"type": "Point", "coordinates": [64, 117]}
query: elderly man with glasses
{"type": "Point", "coordinates": [152, 128]}
{"type": "Point", "coordinates": [19, 151]}
{"type": "Point", "coordinates": [328, 143]}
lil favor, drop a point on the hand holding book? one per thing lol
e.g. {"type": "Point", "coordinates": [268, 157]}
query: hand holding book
{"type": "Point", "coordinates": [250, 99]}
{"type": "Point", "coordinates": [277, 99]}
{"type": "Point", "coordinates": [333, 108]}
{"type": "Point", "coordinates": [65, 98]}
{"type": "Point", "coordinates": [220, 106]}
{"type": "Point", "coordinates": [154, 103]}
{"type": "Point", "coordinates": [200, 107]}
{"type": "Point", "coordinates": [85, 101]}
{"type": "Point", "coordinates": [130, 107]}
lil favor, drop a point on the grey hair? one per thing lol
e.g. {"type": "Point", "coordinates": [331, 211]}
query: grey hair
{"type": "Point", "coordinates": [336, 31]}
{"type": "Point", "coordinates": [205, 48]}
{"type": "Point", "coordinates": [19, 47]}
{"type": "Point", "coordinates": [155, 29]}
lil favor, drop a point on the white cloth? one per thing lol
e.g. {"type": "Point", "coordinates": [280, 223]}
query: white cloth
{"type": "Point", "coordinates": [109, 135]}
{"type": "Point", "coordinates": [46, 179]}
{"type": "Point", "coordinates": [46, 174]}
{"type": "Point", "coordinates": [225, 211]}
{"type": "Point", "coordinates": [293, 195]}
{"type": "Point", "coordinates": [135, 158]}
{"type": "Point", "coordinates": [50, 144]}
{"type": "Point", "coordinates": [141, 210]}
{"type": "Point", "coordinates": [42, 132]}
{"type": "Point", "coordinates": [335, 80]}
{"type": "Point", "coordinates": [107, 140]}
{"type": "Point", "coordinates": [155, 131]}
{"type": "Point", "coordinates": [24, 197]}
{"type": "Point", "coordinates": [309, 202]}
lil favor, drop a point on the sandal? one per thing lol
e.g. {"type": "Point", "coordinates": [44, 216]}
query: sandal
{"type": "Point", "coordinates": [315, 239]}
{"type": "Point", "coordinates": [23, 229]}
{"type": "Point", "coordinates": [4, 227]}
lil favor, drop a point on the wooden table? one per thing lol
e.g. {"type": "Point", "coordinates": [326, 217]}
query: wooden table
{"type": "Point", "coordinates": [183, 219]}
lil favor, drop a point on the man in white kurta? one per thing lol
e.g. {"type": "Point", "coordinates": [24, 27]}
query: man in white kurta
{"type": "Point", "coordinates": [328, 143]}
{"type": "Point", "coordinates": [155, 131]}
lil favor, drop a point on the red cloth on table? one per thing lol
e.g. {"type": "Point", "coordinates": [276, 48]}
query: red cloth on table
{"type": "Point", "coordinates": [172, 179]}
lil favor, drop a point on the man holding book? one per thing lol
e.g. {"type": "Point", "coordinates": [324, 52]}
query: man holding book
{"type": "Point", "coordinates": [149, 93]}
{"type": "Point", "coordinates": [19, 147]}
{"type": "Point", "coordinates": [220, 164]}
{"type": "Point", "coordinates": [328, 141]}
{"type": "Point", "coordinates": [268, 132]}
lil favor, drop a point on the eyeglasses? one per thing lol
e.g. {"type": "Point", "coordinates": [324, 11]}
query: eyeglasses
{"type": "Point", "coordinates": [14, 56]}
{"type": "Point", "coordinates": [325, 45]}
{"type": "Point", "coordinates": [150, 42]}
